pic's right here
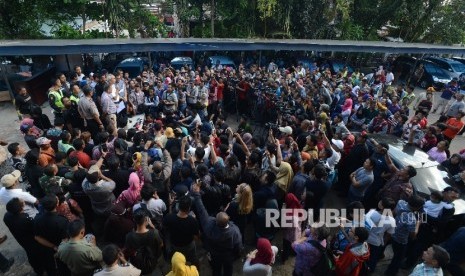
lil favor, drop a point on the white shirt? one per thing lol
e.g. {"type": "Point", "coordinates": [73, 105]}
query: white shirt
{"type": "Point", "coordinates": [381, 224]}
{"type": "Point", "coordinates": [334, 159]}
{"type": "Point", "coordinates": [119, 270]}
{"type": "Point", "coordinates": [435, 209]}
{"type": "Point", "coordinates": [156, 207]}
{"type": "Point", "coordinates": [389, 78]}
{"type": "Point", "coordinates": [8, 194]}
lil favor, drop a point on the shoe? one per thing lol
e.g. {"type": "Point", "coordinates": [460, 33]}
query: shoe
{"type": "Point", "coordinates": [3, 239]}
{"type": "Point", "coordinates": [11, 261]}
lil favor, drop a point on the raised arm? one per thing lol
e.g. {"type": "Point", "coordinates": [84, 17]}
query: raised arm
{"type": "Point", "coordinates": [279, 155]}
{"type": "Point", "coordinates": [243, 145]}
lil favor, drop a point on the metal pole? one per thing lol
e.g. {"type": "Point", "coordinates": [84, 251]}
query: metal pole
{"type": "Point", "coordinates": [5, 78]}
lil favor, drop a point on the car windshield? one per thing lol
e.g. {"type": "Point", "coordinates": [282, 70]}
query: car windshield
{"type": "Point", "coordinates": [178, 66]}
{"type": "Point", "coordinates": [458, 67]}
{"type": "Point", "coordinates": [133, 71]}
{"type": "Point", "coordinates": [436, 71]}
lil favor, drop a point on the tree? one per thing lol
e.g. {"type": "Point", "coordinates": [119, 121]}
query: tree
{"type": "Point", "coordinates": [21, 19]}
{"type": "Point", "coordinates": [267, 9]}
{"type": "Point", "coordinates": [309, 19]}
{"type": "Point", "coordinates": [85, 9]}
{"type": "Point", "coordinates": [446, 26]}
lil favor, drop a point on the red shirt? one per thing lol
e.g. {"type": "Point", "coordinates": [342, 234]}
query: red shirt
{"type": "Point", "coordinates": [220, 91]}
{"type": "Point", "coordinates": [242, 95]}
{"type": "Point", "coordinates": [82, 157]}
{"type": "Point", "coordinates": [450, 133]}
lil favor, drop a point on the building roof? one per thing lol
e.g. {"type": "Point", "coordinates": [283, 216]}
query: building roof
{"type": "Point", "coordinates": [69, 46]}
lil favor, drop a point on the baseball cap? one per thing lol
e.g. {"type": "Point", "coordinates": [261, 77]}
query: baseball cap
{"type": "Point", "coordinates": [42, 141]}
{"type": "Point", "coordinates": [286, 129]}
{"type": "Point", "coordinates": [338, 143]}
{"type": "Point", "coordinates": [10, 179]}
{"type": "Point", "coordinates": [24, 128]}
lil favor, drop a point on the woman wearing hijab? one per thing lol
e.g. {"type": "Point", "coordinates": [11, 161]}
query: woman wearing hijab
{"type": "Point", "coordinates": [292, 233]}
{"type": "Point", "coordinates": [179, 267]}
{"type": "Point", "coordinates": [131, 195]}
{"type": "Point", "coordinates": [453, 165]}
{"type": "Point", "coordinates": [137, 165]}
{"type": "Point", "coordinates": [259, 261]}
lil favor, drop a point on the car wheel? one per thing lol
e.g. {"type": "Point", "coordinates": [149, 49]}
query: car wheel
{"type": "Point", "coordinates": [423, 84]}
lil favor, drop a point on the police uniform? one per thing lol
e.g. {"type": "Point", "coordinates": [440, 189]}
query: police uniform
{"type": "Point", "coordinates": [54, 97]}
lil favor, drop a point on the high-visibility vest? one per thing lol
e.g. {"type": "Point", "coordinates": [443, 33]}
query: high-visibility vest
{"type": "Point", "coordinates": [58, 96]}
{"type": "Point", "coordinates": [74, 98]}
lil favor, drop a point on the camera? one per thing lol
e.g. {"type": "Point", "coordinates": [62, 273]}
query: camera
{"type": "Point", "coordinates": [272, 126]}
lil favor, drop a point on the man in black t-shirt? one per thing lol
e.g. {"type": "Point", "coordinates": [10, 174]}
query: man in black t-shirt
{"type": "Point", "coordinates": [182, 228]}
{"type": "Point", "coordinates": [21, 226]}
{"type": "Point", "coordinates": [23, 101]}
{"type": "Point", "coordinates": [49, 230]}
{"type": "Point", "coordinates": [71, 114]}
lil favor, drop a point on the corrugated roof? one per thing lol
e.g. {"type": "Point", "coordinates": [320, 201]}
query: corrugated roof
{"type": "Point", "coordinates": [58, 46]}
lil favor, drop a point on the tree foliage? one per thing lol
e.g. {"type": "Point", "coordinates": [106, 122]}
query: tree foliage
{"type": "Point", "coordinates": [432, 21]}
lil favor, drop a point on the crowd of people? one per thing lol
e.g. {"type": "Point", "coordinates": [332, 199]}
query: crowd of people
{"type": "Point", "coordinates": [135, 170]}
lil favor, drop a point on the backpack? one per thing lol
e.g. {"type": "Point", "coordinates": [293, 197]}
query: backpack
{"type": "Point", "coordinates": [144, 259]}
{"type": "Point", "coordinates": [326, 265]}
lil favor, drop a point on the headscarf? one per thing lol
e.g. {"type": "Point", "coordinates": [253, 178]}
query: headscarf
{"type": "Point", "coordinates": [37, 132]}
{"type": "Point", "coordinates": [284, 176]}
{"type": "Point", "coordinates": [179, 267]}
{"type": "Point", "coordinates": [137, 160]}
{"type": "Point", "coordinates": [347, 104]}
{"type": "Point", "coordinates": [264, 253]}
{"type": "Point", "coordinates": [292, 202]}
{"type": "Point", "coordinates": [247, 138]}
{"type": "Point", "coordinates": [131, 195]}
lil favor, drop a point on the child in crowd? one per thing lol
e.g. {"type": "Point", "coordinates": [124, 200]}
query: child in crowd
{"type": "Point", "coordinates": [435, 205]}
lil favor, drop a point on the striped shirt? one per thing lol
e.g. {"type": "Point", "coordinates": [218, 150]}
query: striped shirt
{"type": "Point", "coordinates": [108, 106]}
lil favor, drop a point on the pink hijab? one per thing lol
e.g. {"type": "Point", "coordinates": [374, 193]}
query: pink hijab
{"type": "Point", "coordinates": [347, 104]}
{"type": "Point", "coordinates": [131, 195]}
{"type": "Point", "coordinates": [37, 132]}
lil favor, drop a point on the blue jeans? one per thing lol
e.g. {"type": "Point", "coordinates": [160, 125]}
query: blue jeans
{"type": "Point", "coordinates": [375, 254]}
{"type": "Point", "coordinates": [399, 255]}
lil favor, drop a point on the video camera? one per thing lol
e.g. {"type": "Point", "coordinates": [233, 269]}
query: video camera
{"type": "Point", "coordinates": [271, 125]}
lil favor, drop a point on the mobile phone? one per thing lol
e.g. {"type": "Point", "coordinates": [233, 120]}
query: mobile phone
{"type": "Point", "coordinates": [104, 147]}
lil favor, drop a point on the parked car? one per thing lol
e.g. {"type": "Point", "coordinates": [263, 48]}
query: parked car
{"type": "Point", "coordinates": [403, 67]}
{"type": "Point", "coordinates": [179, 62]}
{"type": "Point", "coordinates": [429, 178]}
{"type": "Point", "coordinates": [224, 61]}
{"type": "Point", "coordinates": [133, 66]}
{"type": "Point", "coordinates": [433, 75]}
{"type": "Point", "coordinates": [454, 68]}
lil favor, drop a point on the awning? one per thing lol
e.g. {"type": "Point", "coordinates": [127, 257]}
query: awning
{"type": "Point", "coordinates": [58, 46]}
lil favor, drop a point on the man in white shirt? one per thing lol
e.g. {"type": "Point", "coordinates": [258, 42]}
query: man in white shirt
{"type": "Point", "coordinates": [11, 190]}
{"type": "Point", "coordinates": [389, 77]}
{"type": "Point", "coordinates": [115, 263]}
{"type": "Point", "coordinates": [79, 73]}
{"type": "Point", "coordinates": [193, 119]}
{"type": "Point", "coordinates": [379, 222]}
